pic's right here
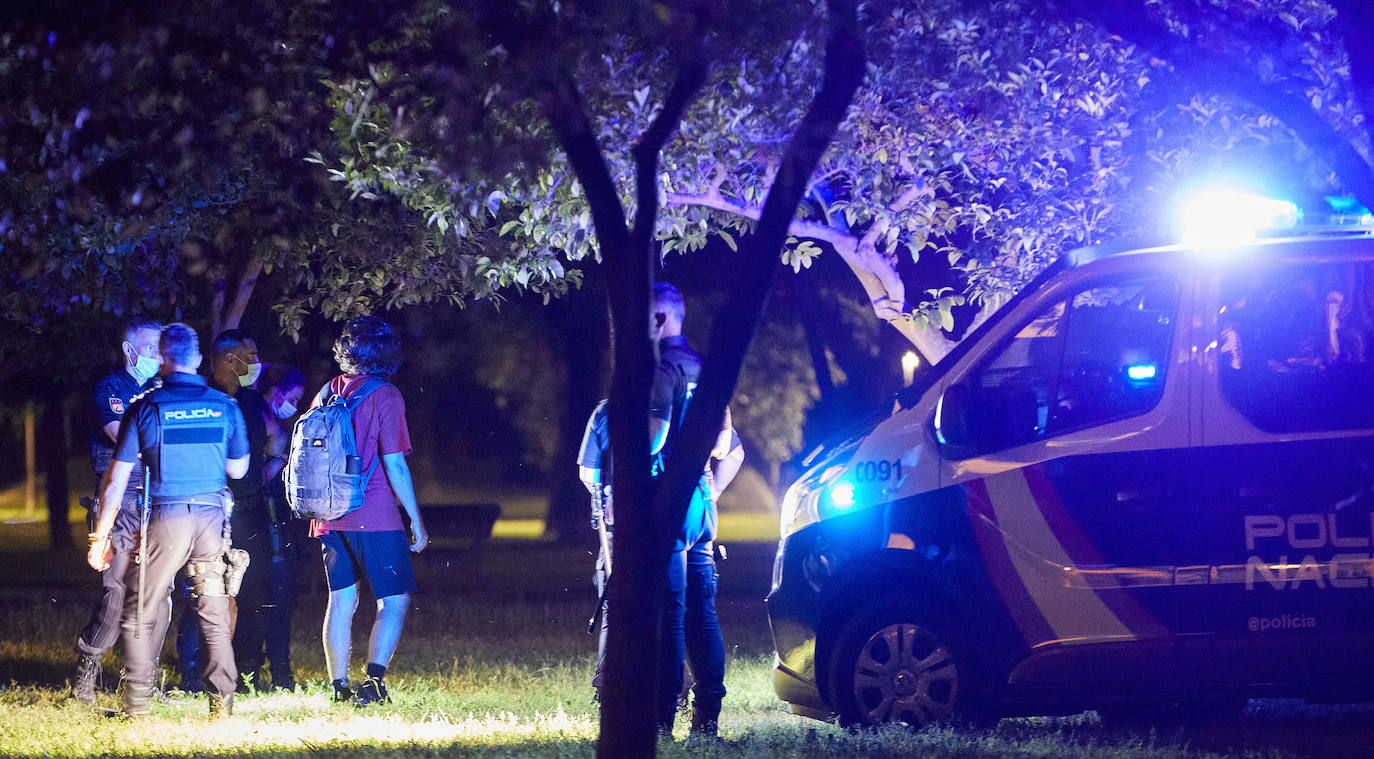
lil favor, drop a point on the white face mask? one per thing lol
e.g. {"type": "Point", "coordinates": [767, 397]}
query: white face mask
{"type": "Point", "coordinates": [285, 410]}
{"type": "Point", "coordinates": [144, 368]}
{"type": "Point", "coordinates": [254, 371]}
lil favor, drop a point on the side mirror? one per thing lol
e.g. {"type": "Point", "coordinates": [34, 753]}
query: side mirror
{"type": "Point", "coordinates": [954, 425]}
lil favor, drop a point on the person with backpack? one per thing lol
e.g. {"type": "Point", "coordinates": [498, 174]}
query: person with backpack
{"type": "Point", "coordinates": [357, 490]}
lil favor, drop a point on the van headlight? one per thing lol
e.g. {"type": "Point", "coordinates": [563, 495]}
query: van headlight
{"type": "Point", "coordinates": [813, 497]}
{"type": "Point", "coordinates": [823, 491]}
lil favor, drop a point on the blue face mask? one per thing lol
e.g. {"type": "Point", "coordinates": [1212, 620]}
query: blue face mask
{"type": "Point", "coordinates": [285, 410]}
{"type": "Point", "coordinates": [145, 368]}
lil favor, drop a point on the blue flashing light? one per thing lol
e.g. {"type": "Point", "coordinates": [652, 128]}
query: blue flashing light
{"type": "Point", "coordinates": [842, 496]}
{"type": "Point", "coordinates": [1218, 218]}
{"type": "Point", "coordinates": [1141, 372]}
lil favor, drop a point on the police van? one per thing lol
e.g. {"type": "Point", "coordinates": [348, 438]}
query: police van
{"type": "Point", "coordinates": [1146, 481]}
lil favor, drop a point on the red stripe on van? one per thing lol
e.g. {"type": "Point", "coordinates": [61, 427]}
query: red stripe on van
{"type": "Point", "coordinates": [1083, 553]}
{"type": "Point", "coordinates": [993, 547]}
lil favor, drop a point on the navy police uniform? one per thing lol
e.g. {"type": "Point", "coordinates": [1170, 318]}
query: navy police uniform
{"type": "Point", "coordinates": [252, 531]}
{"type": "Point", "coordinates": [690, 625]}
{"type": "Point", "coordinates": [596, 454]}
{"type": "Point", "coordinates": [185, 432]}
{"type": "Point", "coordinates": [112, 396]}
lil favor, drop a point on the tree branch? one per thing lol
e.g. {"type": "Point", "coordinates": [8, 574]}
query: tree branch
{"type": "Point", "coordinates": [1209, 70]}
{"type": "Point", "coordinates": [880, 225]}
{"type": "Point", "coordinates": [646, 151]}
{"type": "Point", "coordinates": [738, 319]}
{"type": "Point", "coordinates": [563, 107]}
{"type": "Point", "coordinates": [876, 272]}
{"type": "Point", "coordinates": [247, 281]}
{"type": "Point", "coordinates": [1354, 19]}
{"type": "Point", "coordinates": [798, 227]}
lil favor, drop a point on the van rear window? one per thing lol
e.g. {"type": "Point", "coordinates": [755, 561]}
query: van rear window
{"type": "Point", "coordinates": [1295, 344]}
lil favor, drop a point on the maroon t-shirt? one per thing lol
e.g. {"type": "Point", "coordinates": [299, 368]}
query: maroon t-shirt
{"type": "Point", "coordinates": [379, 427]}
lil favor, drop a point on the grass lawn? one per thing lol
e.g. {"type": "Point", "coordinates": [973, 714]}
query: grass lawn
{"type": "Point", "coordinates": [495, 662]}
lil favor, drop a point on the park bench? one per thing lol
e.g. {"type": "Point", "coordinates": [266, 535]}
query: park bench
{"type": "Point", "coordinates": [457, 534]}
{"type": "Point", "coordinates": [467, 522]}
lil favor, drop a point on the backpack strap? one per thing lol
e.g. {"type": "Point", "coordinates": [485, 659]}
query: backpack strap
{"type": "Point", "coordinates": [363, 389]}
{"type": "Point", "coordinates": [351, 400]}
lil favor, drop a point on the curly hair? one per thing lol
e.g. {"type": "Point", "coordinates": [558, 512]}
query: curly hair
{"type": "Point", "coordinates": [368, 346]}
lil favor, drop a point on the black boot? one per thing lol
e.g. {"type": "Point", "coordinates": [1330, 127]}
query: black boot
{"type": "Point", "coordinates": [87, 670]}
{"type": "Point", "coordinates": [221, 705]}
{"type": "Point", "coordinates": [137, 699]}
{"type": "Point", "coordinates": [343, 694]}
{"type": "Point", "coordinates": [704, 719]}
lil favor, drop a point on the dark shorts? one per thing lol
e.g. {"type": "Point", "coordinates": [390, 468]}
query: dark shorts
{"type": "Point", "coordinates": [382, 557]}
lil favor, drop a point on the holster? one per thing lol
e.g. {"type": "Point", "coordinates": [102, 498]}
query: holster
{"type": "Point", "coordinates": [220, 576]}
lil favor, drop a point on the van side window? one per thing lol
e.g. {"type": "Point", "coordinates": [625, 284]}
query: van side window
{"type": "Point", "coordinates": [1294, 346]}
{"type": "Point", "coordinates": [1096, 356]}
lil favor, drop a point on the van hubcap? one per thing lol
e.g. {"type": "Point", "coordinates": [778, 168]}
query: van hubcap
{"type": "Point", "coordinates": [904, 673]}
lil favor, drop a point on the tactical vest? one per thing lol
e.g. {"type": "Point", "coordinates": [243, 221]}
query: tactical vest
{"type": "Point", "coordinates": [192, 442]}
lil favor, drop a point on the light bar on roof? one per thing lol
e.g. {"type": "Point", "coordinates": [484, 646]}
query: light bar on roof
{"type": "Point", "coordinates": [1222, 217]}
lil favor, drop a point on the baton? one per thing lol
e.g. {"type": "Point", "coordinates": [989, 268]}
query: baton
{"type": "Point", "coordinates": [599, 508]}
{"type": "Point", "coordinates": [143, 518]}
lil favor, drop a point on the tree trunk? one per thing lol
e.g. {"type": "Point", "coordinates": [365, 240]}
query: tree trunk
{"type": "Point", "coordinates": [815, 337]}
{"type": "Point", "coordinates": [52, 446]}
{"type": "Point", "coordinates": [242, 294]}
{"type": "Point", "coordinates": [635, 591]}
{"type": "Point", "coordinates": [578, 319]}
{"type": "Point", "coordinates": [30, 463]}
{"type": "Point", "coordinates": [648, 515]}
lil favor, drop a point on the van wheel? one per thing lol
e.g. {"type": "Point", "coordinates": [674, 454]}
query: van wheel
{"type": "Point", "coordinates": [891, 665]}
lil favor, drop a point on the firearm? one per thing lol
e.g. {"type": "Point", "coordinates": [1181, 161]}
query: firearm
{"type": "Point", "coordinates": [601, 503]}
{"type": "Point", "coordinates": [92, 507]}
{"type": "Point", "coordinates": [234, 560]}
{"type": "Point", "coordinates": [222, 575]}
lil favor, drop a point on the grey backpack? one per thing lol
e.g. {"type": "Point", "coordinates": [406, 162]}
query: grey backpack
{"type": "Point", "coordinates": [324, 477]}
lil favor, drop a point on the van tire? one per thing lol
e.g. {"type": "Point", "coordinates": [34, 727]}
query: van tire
{"type": "Point", "coordinates": [892, 663]}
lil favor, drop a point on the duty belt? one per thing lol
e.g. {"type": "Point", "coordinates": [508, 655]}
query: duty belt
{"type": "Point", "coordinates": [221, 499]}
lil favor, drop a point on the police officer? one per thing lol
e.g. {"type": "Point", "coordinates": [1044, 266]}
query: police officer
{"type": "Point", "coordinates": [190, 437]}
{"type": "Point", "coordinates": [235, 368]}
{"type": "Point", "coordinates": [690, 624]}
{"type": "Point", "coordinates": [112, 396]}
{"type": "Point", "coordinates": [594, 469]}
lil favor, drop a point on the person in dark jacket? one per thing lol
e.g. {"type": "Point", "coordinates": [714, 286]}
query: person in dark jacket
{"type": "Point", "coordinates": [190, 437]}
{"type": "Point", "coordinates": [112, 396]}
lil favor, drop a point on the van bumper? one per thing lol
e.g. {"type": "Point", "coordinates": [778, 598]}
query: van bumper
{"type": "Point", "coordinates": [799, 693]}
{"type": "Point", "coordinates": [793, 608]}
